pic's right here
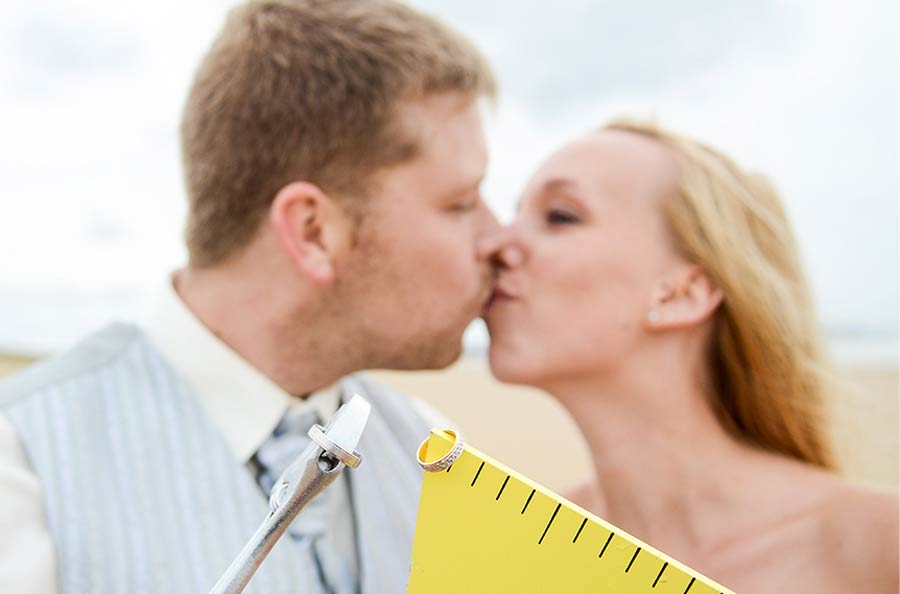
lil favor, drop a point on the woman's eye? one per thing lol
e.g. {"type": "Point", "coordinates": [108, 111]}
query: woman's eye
{"type": "Point", "coordinates": [462, 207]}
{"type": "Point", "coordinates": [560, 217]}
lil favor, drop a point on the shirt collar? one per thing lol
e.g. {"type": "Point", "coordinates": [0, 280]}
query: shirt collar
{"type": "Point", "coordinates": [243, 403]}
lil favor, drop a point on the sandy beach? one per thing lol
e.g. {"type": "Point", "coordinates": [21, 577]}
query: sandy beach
{"type": "Point", "coordinates": [529, 431]}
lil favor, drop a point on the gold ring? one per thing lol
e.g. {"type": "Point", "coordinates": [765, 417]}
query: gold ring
{"type": "Point", "coordinates": [444, 461]}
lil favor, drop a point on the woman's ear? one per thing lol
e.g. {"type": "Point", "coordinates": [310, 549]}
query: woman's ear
{"type": "Point", "coordinates": [311, 229]}
{"type": "Point", "coordinates": [687, 299]}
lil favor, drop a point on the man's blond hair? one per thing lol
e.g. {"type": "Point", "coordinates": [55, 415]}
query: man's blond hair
{"type": "Point", "coordinates": [308, 90]}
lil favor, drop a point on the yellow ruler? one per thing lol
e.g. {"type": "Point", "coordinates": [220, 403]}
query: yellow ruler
{"type": "Point", "coordinates": [482, 528]}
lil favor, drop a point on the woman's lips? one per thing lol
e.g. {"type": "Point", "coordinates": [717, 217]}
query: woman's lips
{"type": "Point", "coordinates": [501, 295]}
{"type": "Point", "coordinates": [498, 296]}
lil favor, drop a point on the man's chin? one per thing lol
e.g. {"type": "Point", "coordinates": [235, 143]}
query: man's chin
{"type": "Point", "coordinates": [442, 358]}
{"type": "Point", "coordinates": [435, 357]}
{"type": "Point", "coordinates": [449, 359]}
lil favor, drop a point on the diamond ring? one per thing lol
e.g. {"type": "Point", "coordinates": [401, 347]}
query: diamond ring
{"type": "Point", "coordinates": [444, 461]}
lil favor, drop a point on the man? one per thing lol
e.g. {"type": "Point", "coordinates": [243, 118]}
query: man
{"type": "Point", "coordinates": [333, 153]}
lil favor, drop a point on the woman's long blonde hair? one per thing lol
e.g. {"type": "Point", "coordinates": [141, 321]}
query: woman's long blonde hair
{"type": "Point", "coordinates": [767, 360]}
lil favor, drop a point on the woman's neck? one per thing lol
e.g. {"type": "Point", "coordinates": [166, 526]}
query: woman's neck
{"type": "Point", "coordinates": [666, 470]}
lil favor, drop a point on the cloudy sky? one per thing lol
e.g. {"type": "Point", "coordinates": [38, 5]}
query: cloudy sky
{"type": "Point", "coordinates": [806, 91]}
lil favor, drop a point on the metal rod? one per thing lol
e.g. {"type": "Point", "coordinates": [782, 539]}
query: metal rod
{"type": "Point", "coordinates": [318, 466]}
{"type": "Point", "coordinates": [319, 472]}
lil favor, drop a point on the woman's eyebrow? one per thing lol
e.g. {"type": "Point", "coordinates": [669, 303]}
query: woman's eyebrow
{"type": "Point", "coordinates": [556, 184]}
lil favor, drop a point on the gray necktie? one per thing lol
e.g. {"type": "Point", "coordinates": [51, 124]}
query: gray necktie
{"type": "Point", "coordinates": [288, 441]}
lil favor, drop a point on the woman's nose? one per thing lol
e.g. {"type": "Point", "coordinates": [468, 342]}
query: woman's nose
{"type": "Point", "coordinates": [503, 247]}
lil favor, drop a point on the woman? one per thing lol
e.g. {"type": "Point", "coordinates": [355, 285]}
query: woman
{"type": "Point", "coordinates": [655, 289]}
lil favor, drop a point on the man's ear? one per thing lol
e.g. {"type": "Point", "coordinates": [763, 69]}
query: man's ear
{"type": "Point", "coordinates": [688, 298]}
{"type": "Point", "coordinates": [311, 228]}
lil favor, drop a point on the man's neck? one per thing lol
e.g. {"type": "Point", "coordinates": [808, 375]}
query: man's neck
{"type": "Point", "coordinates": [261, 326]}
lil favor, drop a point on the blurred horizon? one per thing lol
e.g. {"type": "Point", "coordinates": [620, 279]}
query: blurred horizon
{"type": "Point", "coordinates": [48, 320]}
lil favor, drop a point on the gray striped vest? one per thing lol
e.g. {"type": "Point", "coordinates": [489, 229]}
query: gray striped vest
{"type": "Point", "coordinates": [143, 495]}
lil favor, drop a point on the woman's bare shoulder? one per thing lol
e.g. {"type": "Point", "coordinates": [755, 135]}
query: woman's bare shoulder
{"type": "Point", "coordinates": [585, 495]}
{"type": "Point", "coordinates": [861, 530]}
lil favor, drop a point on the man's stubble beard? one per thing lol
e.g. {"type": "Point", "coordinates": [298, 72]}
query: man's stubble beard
{"type": "Point", "coordinates": [360, 302]}
{"type": "Point", "coordinates": [380, 343]}
{"type": "Point", "coordinates": [362, 291]}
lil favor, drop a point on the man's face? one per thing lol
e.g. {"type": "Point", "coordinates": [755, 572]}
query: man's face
{"type": "Point", "coordinates": [421, 270]}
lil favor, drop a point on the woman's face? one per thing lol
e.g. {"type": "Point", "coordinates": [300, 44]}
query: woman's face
{"type": "Point", "coordinates": [594, 249]}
